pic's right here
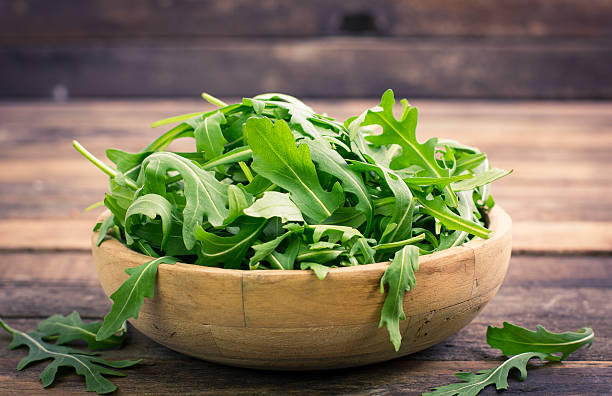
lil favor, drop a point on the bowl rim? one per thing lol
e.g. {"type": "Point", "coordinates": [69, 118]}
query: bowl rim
{"type": "Point", "coordinates": [500, 225]}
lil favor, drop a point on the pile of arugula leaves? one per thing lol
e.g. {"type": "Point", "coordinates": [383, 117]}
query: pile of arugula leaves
{"type": "Point", "coordinates": [272, 185]}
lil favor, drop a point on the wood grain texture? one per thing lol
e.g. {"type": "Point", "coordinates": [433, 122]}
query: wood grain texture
{"type": "Point", "coordinates": [65, 19]}
{"type": "Point", "coordinates": [402, 376]}
{"type": "Point", "coordinates": [362, 67]}
{"type": "Point", "coordinates": [253, 318]}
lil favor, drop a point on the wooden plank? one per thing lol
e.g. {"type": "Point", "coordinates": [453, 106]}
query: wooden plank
{"type": "Point", "coordinates": [445, 68]}
{"type": "Point", "coordinates": [44, 235]}
{"type": "Point", "coordinates": [402, 376]}
{"type": "Point", "coordinates": [573, 237]}
{"type": "Point", "coordinates": [38, 20]}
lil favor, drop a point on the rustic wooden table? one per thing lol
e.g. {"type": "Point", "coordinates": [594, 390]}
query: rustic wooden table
{"type": "Point", "coordinates": [560, 197]}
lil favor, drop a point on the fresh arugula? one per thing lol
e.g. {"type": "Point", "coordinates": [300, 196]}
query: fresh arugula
{"type": "Point", "coordinates": [474, 383]}
{"type": "Point", "coordinates": [128, 299]}
{"type": "Point", "coordinates": [512, 339]}
{"type": "Point", "coordinates": [520, 345]}
{"type": "Point", "coordinates": [400, 278]}
{"type": "Point", "coordinates": [271, 184]}
{"type": "Point", "coordinates": [65, 329]}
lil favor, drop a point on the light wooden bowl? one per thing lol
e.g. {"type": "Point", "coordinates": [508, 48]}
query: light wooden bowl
{"type": "Point", "coordinates": [290, 320]}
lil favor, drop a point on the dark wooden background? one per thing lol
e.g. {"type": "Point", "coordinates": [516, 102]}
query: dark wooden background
{"type": "Point", "coordinates": [553, 49]}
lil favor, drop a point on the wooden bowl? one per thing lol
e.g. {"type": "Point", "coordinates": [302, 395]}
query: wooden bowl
{"type": "Point", "coordinates": [290, 320]}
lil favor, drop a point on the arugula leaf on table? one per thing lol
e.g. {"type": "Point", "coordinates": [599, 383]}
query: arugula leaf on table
{"type": "Point", "coordinates": [521, 345]}
{"type": "Point", "coordinates": [276, 157]}
{"type": "Point", "coordinates": [512, 339]}
{"type": "Point", "coordinates": [474, 383]}
{"type": "Point", "coordinates": [65, 329]}
{"type": "Point", "coordinates": [87, 364]}
{"type": "Point", "coordinates": [275, 204]}
{"type": "Point", "coordinates": [129, 297]}
{"type": "Point", "coordinates": [399, 276]}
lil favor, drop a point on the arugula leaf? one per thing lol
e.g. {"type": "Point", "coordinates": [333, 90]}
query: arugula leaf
{"type": "Point", "coordinates": [334, 233]}
{"type": "Point", "coordinates": [150, 205]}
{"type": "Point", "coordinates": [319, 270]}
{"type": "Point", "coordinates": [512, 339]}
{"type": "Point", "coordinates": [404, 204]}
{"type": "Point", "coordinates": [330, 161]}
{"type": "Point", "coordinates": [92, 367]}
{"type": "Point", "coordinates": [231, 157]}
{"type": "Point", "coordinates": [480, 180]}
{"type": "Point", "coordinates": [347, 216]}
{"type": "Point", "coordinates": [208, 135]}
{"type": "Point", "coordinates": [106, 225]}
{"type": "Point", "coordinates": [437, 208]}
{"type": "Point", "coordinates": [276, 157]}
{"type": "Point", "coordinates": [399, 276]}
{"type": "Point", "coordinates": [275, 204]}
{"type": "Point", "coordinates": [229, 250]}
{"type": "Point", "coordinates": [473, 383]}
{"type": "Point", "coordinates": [205, 195]}
{"type": "Point", "coordinates": [403, 133]}
{"type": "Point", "coordinates": [64, 329]}
{"type": "Point", "coordinates": [363, 248]}
{"type": "Point", "coordinates": [129, 297]}
{"type": "Point", "coordinates": [267, 251]}
{"type": "Point", "coordinates": [238, 200]}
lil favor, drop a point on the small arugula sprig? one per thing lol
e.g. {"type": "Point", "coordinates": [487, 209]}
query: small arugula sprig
{"type": "Point", "coordinates": [65, 329]}
{"type": "Point", "coordinates": [521, 345]}
{"type": "Point", "coordinates": [271, 184]}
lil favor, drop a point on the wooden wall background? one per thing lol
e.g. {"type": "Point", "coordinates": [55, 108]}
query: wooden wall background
{"type": "Point", "coordinates": [553, 49]}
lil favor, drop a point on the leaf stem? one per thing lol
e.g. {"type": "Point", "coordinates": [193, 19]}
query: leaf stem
{"type": "Point", "coordinates": [6, 327]}
{"type": "Point", "coordinates": [399, 244]}
{"type": "Point", "coordinates": [246, 170]}
{"type": "Point", "coordinates": [94, 205]}
{"type": "Point", "coordinates": [100, 164]}
{"type": "Point", "coordinates": [211, 99]}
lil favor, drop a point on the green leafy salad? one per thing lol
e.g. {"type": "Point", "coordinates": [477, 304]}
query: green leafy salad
{"type": "Point", "coordinates": [272, 185]}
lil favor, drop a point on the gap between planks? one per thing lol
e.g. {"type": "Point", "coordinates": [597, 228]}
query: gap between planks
{"type": "Point", "coordinates": [544, 237]}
